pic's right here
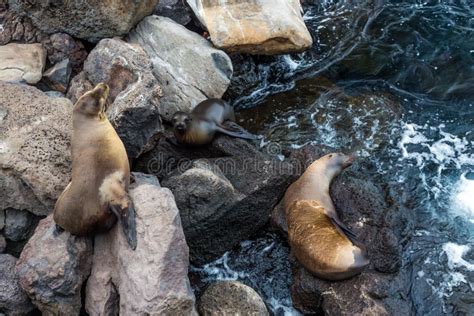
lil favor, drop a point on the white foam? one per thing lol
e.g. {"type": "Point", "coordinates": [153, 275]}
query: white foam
{"type": "Point", "coordinates": [464, 197]}
{"type": "Point", "coordinates": [455, 255]}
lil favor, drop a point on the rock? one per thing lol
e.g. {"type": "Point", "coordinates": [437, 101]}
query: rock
{"type": "Point", "coordinates": [19, 224]}
{"type": "Point", "coordinates": [57, 77]}
{"type": "Point", "coordinates": [362, 205]}
{"type": "Point", "coordinates": [251, 182]}
{"type": "Point", "coordinates": [61, 46]}
{"type": "Point", "coordinates": [35, 158]}
{"type": "Point", "coordinates": [3, 244]}
{"type": "Point", "coordinates": [85, 19]}
{"type": "Point", "coordinates": [176, 10]}
{"type": "Point", "coordinates": [185, 82]}
{"type": "Point", "coordinates": [2, 219]}
{"type": "Point", "coordinates": [22, 62]}
{"type": "Point", "coordinates": [17, 28]}
{"type": "Point", "coordinates": [231, 298]}
{"type": "Point", "coordinates": [52, 268]}
{"type": "Point", "coordinates": [232, 25]}
{"type": "Point", "coordinates": [13, 300]}
{"type": "Point", "coordinates": [153, 279]}
{"type": "Point", "coordinates": [134, 104]}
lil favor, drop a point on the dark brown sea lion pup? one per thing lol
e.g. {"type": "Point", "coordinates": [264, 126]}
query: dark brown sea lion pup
{"type": "Point", "coordinates": [208, 117]}
{"type": "Point", "coordinates": [319, 240]}
{"type": "Point", "coordinates": [98, 192]}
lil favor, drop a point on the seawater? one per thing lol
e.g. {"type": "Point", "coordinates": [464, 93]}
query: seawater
{"type": "Point", "coordinates": [394, 82]}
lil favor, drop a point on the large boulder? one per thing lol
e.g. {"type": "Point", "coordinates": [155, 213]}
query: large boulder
{"type": "Point", "coordinates": [251, 183]}
{"type": "Point", "coordinates": [379, 223]}
{"type": "Point", "coordinates": [35, 158]}
{"type": "Point", "coordinates": [188, 68]}
{"type": "Point", "coordinates": [22, 62]}
{"type": "Point", "coordinates": [153, 278]}
{"type": "Point", "coordinates": [52, 268]}
{"type": "Point", "coordinates": [13, 300]}
{"type": "Point", "coordinates": [256, 27]}
{"type": "Point", "coordinates": [61, 46]}
{"type": "Point", "coordinates": [86, 19]}
{"type": "Point", "coordinates": [19, 224]}
{"type": "Point", "coordinates": [134, 99]}
{"type": "Point", "coordinates": [231, 298]}
{"type": "Point", "coordinates": [17, 28]}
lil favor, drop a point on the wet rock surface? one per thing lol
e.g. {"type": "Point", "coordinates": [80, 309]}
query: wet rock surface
{"type": "Point", "coordinates": [22, 62]}
{"type": "Point", "coordinates": [153, 278]}
{"type": "Point", "coordinates": [85, 19]}
{"type": "Point", "coordinates": [232, 25]}
{"type": "Point", "coordinates": [35, 148]}
{"type": "Point", "coordinates": [134, 99]}
{"type": "Point", "coordinates": [231, 298]}
{"type": "Point", "coordinates": [13, 300]}
{"type": "Point", "coordinates": [52, 268]}
{"type": "Point", "coordinates": [184, 81]}
{"type": "Point", "coordinates": [251, 182]}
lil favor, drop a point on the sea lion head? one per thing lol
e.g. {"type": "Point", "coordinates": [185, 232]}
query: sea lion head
{"type": "Point", "coordinates": [93, 102]}
{"type": "Point", "coordinates": [181, 121]}
{"type": "Point", "coordinates": [336, 162]}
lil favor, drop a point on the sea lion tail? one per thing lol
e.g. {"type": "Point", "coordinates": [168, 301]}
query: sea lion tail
{"type": "Point", "coordinates": [127, 218]}
{"type": "Point", "coordinates": [232, 129]}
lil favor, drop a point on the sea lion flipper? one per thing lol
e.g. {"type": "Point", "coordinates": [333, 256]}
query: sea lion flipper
{"type": "Point", "coordinates": [127, 218]}
{"type": "Point", "coordinates": [346, 230]}
{"type": "Point", "coordinates": [232, 129]}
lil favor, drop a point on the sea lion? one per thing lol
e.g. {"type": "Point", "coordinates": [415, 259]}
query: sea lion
{"type": "Point", "coordinates": [319, 240]}
{"type": "Point", "coordinates": [208, 117]}
{"type": "Point", "coordinates": [98, 192]}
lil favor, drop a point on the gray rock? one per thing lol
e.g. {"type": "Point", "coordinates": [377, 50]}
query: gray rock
{"type": "Point", "coordinates": [177, 10]}
{"type": "Point", "coordinates": [153, 278]}
{"type": "Point", "coordinates": [52, 268]}
{"type": "Point", "coordinates": [35, 158]}
{"type": "Point", "coordinates": [19, 224]}
{"type": "Point", "coordinates": [2, 219]}
{"type": "Point", "coordinates": [58, 76]}
{"type": "Point", "coordinates": [231, 298]}
{"type": "Point", "coordinates": [86, 19]}
{"type": "Point", "coordinates": [22, 62]}
{"type": "Point", "coordinates": [251, 182]}
{"type": "Point", "coordinates": [134, 99]}
{"type": "Point", "coordinates": [3, 244]}
{"type": "Point", "coordinates": [13, 300]}
{"type": "Point", "coordinates": [188, 68]}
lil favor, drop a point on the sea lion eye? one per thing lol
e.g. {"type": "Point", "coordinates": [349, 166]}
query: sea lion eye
{"type": "Point", "coordinates": [330, 156]}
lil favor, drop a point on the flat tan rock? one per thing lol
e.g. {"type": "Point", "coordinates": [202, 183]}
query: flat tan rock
{"type": "Point", "coordinates": [254, 26]}
{"type": "Point", "coordinates": [22, 62]}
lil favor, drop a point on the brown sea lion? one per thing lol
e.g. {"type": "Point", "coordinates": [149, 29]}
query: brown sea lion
{"type": "Point", "coordinates": [98, 192]}
{"type": "Point", "coordinates": [319, 240]}
{"type": "Point", "coordinates": [208, 117]}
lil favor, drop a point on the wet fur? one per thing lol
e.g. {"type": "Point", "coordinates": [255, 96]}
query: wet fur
{"type": "Point", "coordinates": [316, 239]}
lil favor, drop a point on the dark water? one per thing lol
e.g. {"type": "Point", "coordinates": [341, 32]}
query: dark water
{"type": "Point", "coordinates": [394, 82]}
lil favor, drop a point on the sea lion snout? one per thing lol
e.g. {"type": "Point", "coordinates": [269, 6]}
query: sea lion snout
{"type": "Point", "coordinates": [180, 127]}
{"type": "Point", "coordinates": [348, 160]}
{"type": "Point", "coordinates": [101, 90]}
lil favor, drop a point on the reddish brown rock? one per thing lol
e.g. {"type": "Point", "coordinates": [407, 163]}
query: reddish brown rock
{"type": "Point", "coordinates": [153, 278]}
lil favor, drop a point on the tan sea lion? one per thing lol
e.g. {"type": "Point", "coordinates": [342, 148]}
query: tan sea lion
{"type": "Point", "coordinates": [208, 117]}
{"type": "Point", "coordinates": [319, 240]}
{"type": "Point", "coordinates": [98, 192]}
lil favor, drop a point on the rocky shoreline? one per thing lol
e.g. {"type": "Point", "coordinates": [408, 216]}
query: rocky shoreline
{"type": "Point", "coordinates": [193, 204]}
